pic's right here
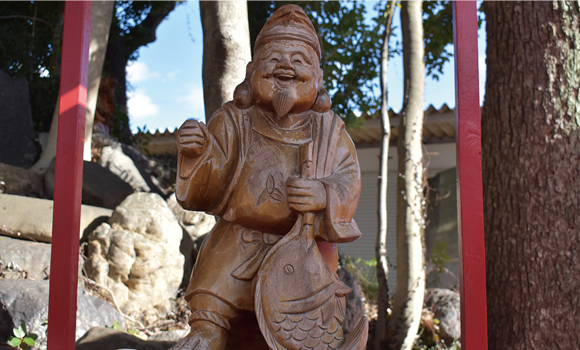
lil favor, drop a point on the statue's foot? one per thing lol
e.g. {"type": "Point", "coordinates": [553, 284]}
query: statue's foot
{"type": "Point", "coordinates": [203, 336]}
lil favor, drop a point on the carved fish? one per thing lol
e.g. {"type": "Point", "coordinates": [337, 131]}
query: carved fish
{"type": "Point", "coordinates": [299, 301]}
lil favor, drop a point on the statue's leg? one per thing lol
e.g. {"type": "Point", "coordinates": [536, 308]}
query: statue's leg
{"type": "Point", "coordinates": [204, 335]}
{"type": "Point", "coordinates": [209, 322]}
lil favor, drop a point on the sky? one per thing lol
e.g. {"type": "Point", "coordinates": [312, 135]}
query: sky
{"type": "Point", "coordinates": [166, 85]}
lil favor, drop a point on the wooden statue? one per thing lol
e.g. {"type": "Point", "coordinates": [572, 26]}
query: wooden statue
{"type": "Point", "coordinates": [281, 173]}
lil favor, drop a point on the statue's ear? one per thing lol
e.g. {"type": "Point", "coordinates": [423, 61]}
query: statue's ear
{"type": "Point", "coordinates": [243, 93]}
{"type": "Point", "coordinates": [322, 103]}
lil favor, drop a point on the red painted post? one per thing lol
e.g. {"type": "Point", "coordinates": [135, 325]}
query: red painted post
{"type": "Point", "coordinates": [469, 185]}
{"type": "Point", "coordinates": [69, 176]}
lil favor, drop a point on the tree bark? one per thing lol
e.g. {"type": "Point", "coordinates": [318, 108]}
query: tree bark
{"type": "Point", "coordinates": [381, 242]}
{"type": "Point", "coordinates": [531, 167]}
{"type": "Point", "coordinates": [226, 50]}
{"type": "Point", "coordinates": [408, 304]}
{"type": "Point", "coordinates": [102, 14]}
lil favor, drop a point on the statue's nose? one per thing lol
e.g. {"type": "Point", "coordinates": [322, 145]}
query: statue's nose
{"type": "Point", "coordinates": [285, 63]}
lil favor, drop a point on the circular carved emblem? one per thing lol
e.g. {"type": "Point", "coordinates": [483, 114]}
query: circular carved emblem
{"type": "Point", "coordinates": [288, 269]}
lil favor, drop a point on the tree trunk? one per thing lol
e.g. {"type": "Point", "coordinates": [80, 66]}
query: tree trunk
{"type": "Point", "coordinates": [531, 167]}
{"type": "Point", "coordinates": [102, 13]}
{"type": "Point", "coordinates": [408, 304]}
{"type": "Point", "coordinates": [381, 243]}
{"type": "Point", "coordinates": [226, 50]}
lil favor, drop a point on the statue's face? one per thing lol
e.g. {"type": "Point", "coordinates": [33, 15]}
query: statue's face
{"type": "Point", "coordinates": [285, 77]}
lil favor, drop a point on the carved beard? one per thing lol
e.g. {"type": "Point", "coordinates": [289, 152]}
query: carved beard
{"type": "Point", "coordinates": [283, 102]}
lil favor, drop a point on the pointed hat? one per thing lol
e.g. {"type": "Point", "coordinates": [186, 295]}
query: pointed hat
{"type": "Point", "coordinates": [289, 22]}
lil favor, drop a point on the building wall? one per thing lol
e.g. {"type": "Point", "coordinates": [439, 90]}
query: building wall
{"type": "Point", "coordinates": [438, 157]}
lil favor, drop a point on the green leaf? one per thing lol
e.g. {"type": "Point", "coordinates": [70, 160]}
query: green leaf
{"type": "Point", "coordinates": [19, 332]}
{"type": "Point", "coordinates": [32, 336]}
{"type": "Point", "coordinates": [14, 341]}
{"type": "Point", "coordinates": [29, 341]}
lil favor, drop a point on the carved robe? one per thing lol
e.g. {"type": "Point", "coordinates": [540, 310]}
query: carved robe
{"type": "Point", "coordinates": [241, 177]}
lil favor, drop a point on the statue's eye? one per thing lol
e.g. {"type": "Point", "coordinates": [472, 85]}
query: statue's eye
{"type": "Point", "coordinates": [274, 59]}
{"type": "Point", "coordinates": [298, 59]}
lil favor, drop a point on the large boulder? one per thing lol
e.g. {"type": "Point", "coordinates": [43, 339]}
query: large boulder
{"type": "Point", "coordinates": [101, 187]}
{"type": "Point", "coordinates": [119, 164]}
{"type": "Point", "coordinates": [27, 301]}
{"type": "Point", "coordinates": [136, 254]}
{"type": "Point", "coordinates": [18, 146]}
{"type": "Point", "coordinates": [20, 181]}
{"type": "Point", "coordinates": [99, 338]}
{"type": "Point", "coordinates": [16, 213]}
{"type": "Point", "coordinates": [196, 223]}
{"type": "Point", "coordinates": [32, 257]}
{"type": "Point", "coordinates": [445, 305]}
{"type": "Point", "coordinates": [154, 174]}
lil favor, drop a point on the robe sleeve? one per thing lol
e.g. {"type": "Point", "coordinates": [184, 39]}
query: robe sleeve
{"type": "Point", "coordinates": [343, 189]}
{"type": "Point", "coordinates": [202, 181]}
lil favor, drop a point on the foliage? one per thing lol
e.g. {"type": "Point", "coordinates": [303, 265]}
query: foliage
{"type": "Point", "coordinates": [116, 326]}
{"type": "Point", "coordinates": [438, 35]}
{"type": "Point", "coordinates": [22, 339]}
{"type": "Point", "coordinates": [365, 274]}
{"type": "Point", "coordinates": [120, 123]}
{"type": "Point", "coordinates": [31, 33]}
{"type": "Point", "coordinates": [350, 50]}
{"type": "Point", "coordinates": [136, 22]}
{"type": "Point", "coordinates": [439, 257]}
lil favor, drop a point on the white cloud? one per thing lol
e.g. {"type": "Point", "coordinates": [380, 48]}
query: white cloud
{"type": "Point", "coordinates": [140, 105]}
{"type": "Point", "coordinates": [139, 71]}
{"type": "Point", "coordinates": [193, 100]}
{"type": "Point", "coordinates": [171, 75]}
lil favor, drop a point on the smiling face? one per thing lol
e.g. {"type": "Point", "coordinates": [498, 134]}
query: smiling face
{"type": "Point", "coordinates": [285, 77]}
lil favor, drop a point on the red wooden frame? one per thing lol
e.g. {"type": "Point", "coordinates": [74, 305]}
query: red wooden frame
{"type": "Point", "coordinates": [69, 175]}
{"type": "Point", "coordinates": [469, 184]}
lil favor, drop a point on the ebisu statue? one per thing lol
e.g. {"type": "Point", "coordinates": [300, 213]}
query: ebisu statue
{"type": "Point", "coordinates": [279, 170]}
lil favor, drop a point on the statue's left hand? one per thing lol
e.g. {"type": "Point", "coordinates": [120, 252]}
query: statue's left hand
{"type": "Point", "coordinates": [306, 195]}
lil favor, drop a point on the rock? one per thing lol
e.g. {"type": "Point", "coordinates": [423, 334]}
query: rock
{"type": "Point", "coordinates": [446, 308]}
{"type": "Point", "coordinates": [196, 223]}
{"type": "Point", "coordinates": [354, 306]}
{"type": "Point", "coordinates": [174, 335]}
{"type": "Point", "coordinates": [99, 338]}
{"type": "Point", "coordinates": [16, 211]}
{"type": "Point", "coordinates": [27, 301]}
{"type": "Point", "coordinates": [136, 254]}
{"type": "Point", "coordinates": [17, 142]}
{"type": "Point", "coordinates": [32, 257]}
{"type": "Point", "coordinates": [149, 169]}
{"type": "Point", "coordinates": [119, 164]}
{"type": "Point", "coordinates": [20, 181]}
{"type": "Point", "coordinates": [101, 188]}
{"type": "Point", "coordinates": [6, 346]}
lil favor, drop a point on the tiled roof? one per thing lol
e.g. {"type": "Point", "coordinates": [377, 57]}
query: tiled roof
{"type": "Point", "coordinates": [439, 126]}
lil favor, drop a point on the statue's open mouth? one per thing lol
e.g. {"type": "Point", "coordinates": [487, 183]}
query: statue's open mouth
{"type": "Point", "coordinates": [284, 76]}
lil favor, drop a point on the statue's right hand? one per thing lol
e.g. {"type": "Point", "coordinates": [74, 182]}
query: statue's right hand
{"type": "Point", "coordinates": [191, 138]}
